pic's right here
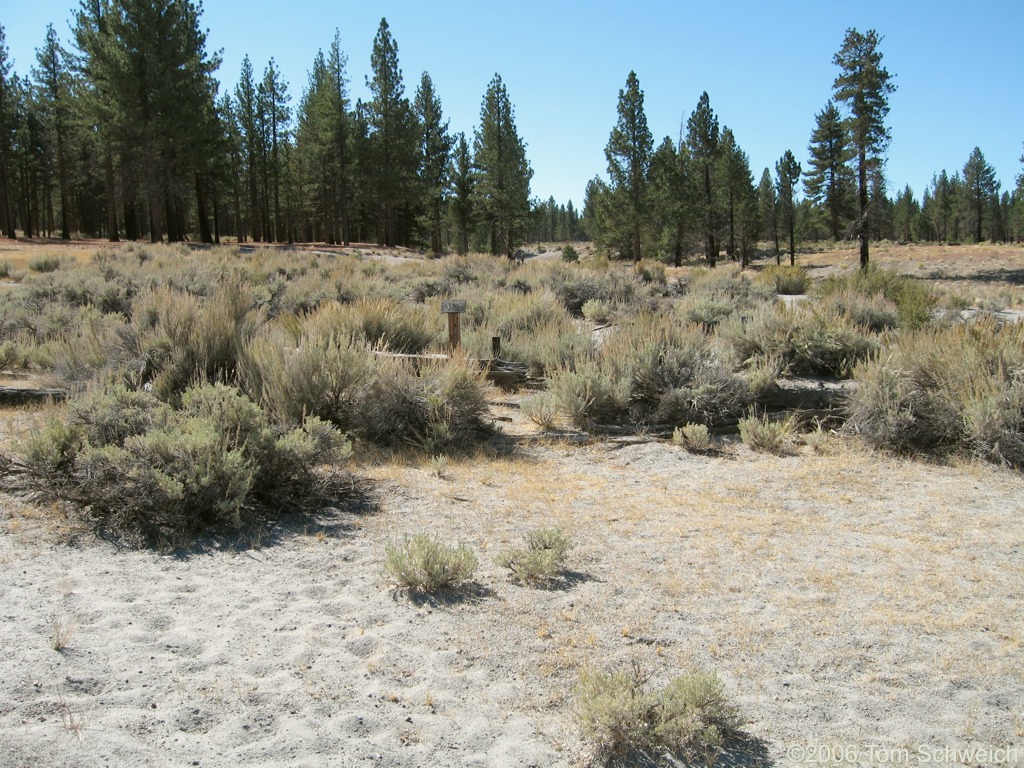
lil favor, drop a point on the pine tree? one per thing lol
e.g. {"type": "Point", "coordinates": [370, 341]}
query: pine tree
{"type": "Point", "coordinates": [629, 157]}
{"type": "Point", "coordinates": [276, 117]}
{"type": "Point", "coordinates": [153, 91]}
{"type": "Point", "coordinates": [503, 185]}
{"type": "Point", "coordinates": [392, 138]}
{"type": "Point", "coordinates": [768, 200]}
{"type": "Point", "coordinates": [981, 189]}
{"type": "Point", "coordinates": [435, 150]}
{"type": "Point", "coordinates": [864, 86]}
{"type": "Point", "coordinates": [247, 113]}
{"type": "Point", "coordinates": [740, 198]}
{"type": "Point", "coordinates": [787, 171]}
{"type": "Point", "coordinates": [703, 138]}
{"type": "Point", "coordinates": [53, 85]}
{"type": "Point", "coordinates": [463, 182]}
{"type": "Point", "coordinates": [828, 181]}
{"type": "Point", "coordinates": [669, 198]}
{"type": "Point", "coordinates": [7, 121]}
{"type": "Point", "coordinates": [906, 215]}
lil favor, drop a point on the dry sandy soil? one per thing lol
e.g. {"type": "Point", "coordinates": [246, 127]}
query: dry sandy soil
{"type": "Point", "coordinates": [847, 599]}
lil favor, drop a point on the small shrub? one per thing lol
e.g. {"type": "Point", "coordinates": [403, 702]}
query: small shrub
{"type": "Point", "coordinates": [569, 254]}
{"type": "Point", "coordinates": [651, 273]}
{"type": "Point", "coordinates": [623, 718]}
{"type": "Point", "coordinates": [543, 558]}
{"type": "Point", "coordinates": [424, 564]}
{"type": "Point", "coordinates": [693, 437]}
{"type": "Point", "coordinates": [44, 264]}
{"type": "Point", "coordinates": [806, 340]}
{"type": "Point", "coordinates": [589, 395]}
{"type": "Point", "coordinates": [959, 388]}
{"type": "Point", "coordinates": [542, 410]}
{"type": "Point", "coordinates": [913, 300]}
{"type": "Point", "coordinates": [762, 374]}
{"type": "Point", "coordinates": [596, 310]}
{"type": "Point", "coordinates": [816, 439]}
{"type": "Point", "coordinates": [788, 280]}
{"type": "Point", "coordinates": [5, 269]}
{"type": "Point", "coordinates": [768, 435]}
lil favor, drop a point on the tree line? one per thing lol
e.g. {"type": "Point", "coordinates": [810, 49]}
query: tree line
{"type": "Point", "coordinates": [697, 193]}
{"type": "Point", "coordinates": [126, 133]}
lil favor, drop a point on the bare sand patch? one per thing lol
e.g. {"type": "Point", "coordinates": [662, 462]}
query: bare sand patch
{"type": "Point", "coordinates": [844, 597]}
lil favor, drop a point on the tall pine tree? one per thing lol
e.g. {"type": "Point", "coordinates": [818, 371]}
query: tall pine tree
{"type": "Point", "coordinates": [629, 157]}
{"type": "Point", "coordinates": [503, 181]}
{"type": "Point", "coordinates": [864, 86]}
{"type": "Point", "coordinates": [828, 181]}
{"type": "Point", "coordinates": [703, 138]}
{"type": "Point", "coordinates": [435, 148]}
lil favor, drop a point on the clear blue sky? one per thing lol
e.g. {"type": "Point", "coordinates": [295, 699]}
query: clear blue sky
{"type": "Point", "coordinates": [767, 67]}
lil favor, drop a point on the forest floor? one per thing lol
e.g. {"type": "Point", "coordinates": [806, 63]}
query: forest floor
{"type": "Point", "coordinates": [852, 603]}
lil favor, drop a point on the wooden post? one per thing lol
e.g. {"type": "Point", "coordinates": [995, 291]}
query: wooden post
{"type": "Point", "coordinates": [453, 308]}
{"type": "Point", "coordinates": [495, 347]}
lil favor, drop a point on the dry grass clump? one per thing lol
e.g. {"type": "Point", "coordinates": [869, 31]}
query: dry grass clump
{"type": "Point", "coordinates": [542, 410]}
{"type": "Point", "coordinates": [625, 720]}
{"type": "Point", "coordinates": [941, 390]}
{"type": "Point", "coordinates": [768, 435]}
{"type": "Point", "coordinates": [425, 564]}
{"type": "Point", "coordinates": [574, 287]}
{"type": "Point", "coordinates": [787, 280]}
{"type": "Point", "coordinates": [913, 300]}
{"type": "Point", "coordinates": [712, 296]}
{"type": "Point", "coordinates": [653, 370]}
{"type": "Point", "coordinates": [693, 437]}
{"type": "Point", "coordinates": [542, 560]}
{"type": "Point", "coordinates": [807, 340]}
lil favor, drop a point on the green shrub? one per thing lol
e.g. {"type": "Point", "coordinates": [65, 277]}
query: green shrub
{"type": "Point", "coordinates": [424, 564]}
{"type": "Point", "coordinates": [913, 300]}
{"type": "Point", "coordinates": [542, 560]}
{"type": "Point", "coordinates": [136, 467]}
{"type": "Point", "coordinates": [768, 435]}
{"type": "Point", "coordinates": [622, 718]}
{"type": "Point", "coordinates": [436, 408]}
{"type": "Point", "coordinates": [693, 437]}
{"type": "Point", "coordinates": [542, 410]}
{"type": "Point", "coordinates": [5, 269]}
{"type": "Point", "coordinates": [381, 323]}
{"type": "Point", "coordinates": [574, 288]}
{"type": "Point", "coordinates": [569, 254]}
{"type": "Point", "coordinates": [589, 395]}
{"type": "Point", "coordinates": [806, 340]}
{"type": "Point", "coordinates": [788, 280]}
{"type": "Point", "coordinates": [597, 311]}
{"type": "Point", "coordinates": [874, 312]}
{"type": "Point", "coordinates": [46, 263]}
{"type": "Point", "coordinates": [316, 374]}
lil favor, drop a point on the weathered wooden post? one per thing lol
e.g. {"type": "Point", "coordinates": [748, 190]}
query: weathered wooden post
{"type": "Point", "coordinates": [453, 308]}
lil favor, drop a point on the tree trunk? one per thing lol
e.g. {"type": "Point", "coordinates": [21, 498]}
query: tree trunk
{"type": "Point", "coordinates": [862, 226]}
{"type": "Point", "coordinates": [204, 224]}
{"type": "Point", "coordinates": [112, 233]}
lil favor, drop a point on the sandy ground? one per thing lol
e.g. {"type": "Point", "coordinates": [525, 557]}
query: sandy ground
{"type": "Point", "coordinates": [846, 599]}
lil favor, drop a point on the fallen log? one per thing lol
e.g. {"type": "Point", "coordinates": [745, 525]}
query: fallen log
{"type": "Point", "coordinates": [14, 395]}
{"type": "Point", "coordinates": [506, 374]}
